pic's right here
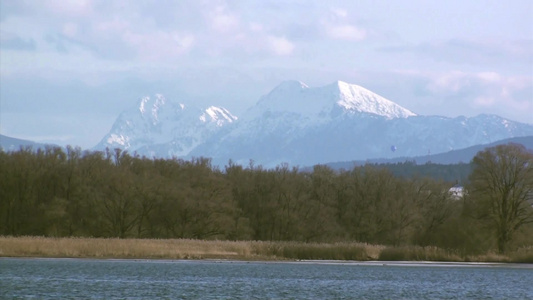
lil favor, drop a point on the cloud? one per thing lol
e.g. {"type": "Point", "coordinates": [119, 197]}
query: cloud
{"type": "Point", "coordinates": [485, 101]}
{"type": "Point", "coordinates": [339, 12]}
{"type": "Point", "coordinates": [67, 7]}
{"type": "Point", "coordinates": [14, 42]}
{"type": "Point", "coordinates": [471, 51]}
{"type": "Point", "coordinates": [449, 83]}
{"type": "Point", "coordinates": [337, 26]}
{"type": "Point", "coordinates": [159, 45]}
{"type": "Point", "coordinates": [346, 32]}
{"type": "Point", "coordinates": [110, 27]}
{"type": "Point", "coordinates": [459, 82]}
{"type": "Point", "coordinates": [489, 77]}
{"type": "Point", "coordinates": [280, 45]}
{"type": "Point", "coordinates": [222, 20]}
{"type": "Point", "coordinates": [147, 35]}
{"type": "Point", "coordinates": [488, 92]}
{"type": "Point", "coordinates": [455, 93]}
{"type": "Point", "coordinates": [58, 42]}
{"type": "Point", "coordinates": [70, 29]}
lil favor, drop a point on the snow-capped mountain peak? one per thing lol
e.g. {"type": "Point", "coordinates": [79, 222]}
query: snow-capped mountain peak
{"type": "Point", "coordinates": [300, 125]}
{"type": "Point", "coordinates": [156, 122]}
{"type": "Point", "coordinates": [220, 116]}
{"type": "Point", "coordinates": [289, 96]}
{"type": "Point", "coordinates": [355, 98]}
{"type": "Point", "coordinates": [317, 103]}
{"type": "Point", "coordinates": [151, 106]}
{"type": "Point", "coordinates": [289, 86]}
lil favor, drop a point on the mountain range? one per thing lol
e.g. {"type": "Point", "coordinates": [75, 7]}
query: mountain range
{"type": "Point", "coordinates": [302, 126]}
{"type": "Point", "coordinates": [9, 144]}
{"type": "Point", "coordinates": [451, 157]}
{"type": "Point", "coordinates": [157, 127]}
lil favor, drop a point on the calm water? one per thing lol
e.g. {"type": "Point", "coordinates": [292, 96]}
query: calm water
{"type": "Point", "coordinates": [149, 279]}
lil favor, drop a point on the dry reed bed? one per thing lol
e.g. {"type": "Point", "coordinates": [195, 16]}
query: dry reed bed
{"type": "Point", "coordinates": [120, 248]}
{"type": "Point", "coordinates": [237, 250]}
{"type": "Point", "coordinates": [181, 249]}
{"type": "Point", "coordinates": [430, 253]}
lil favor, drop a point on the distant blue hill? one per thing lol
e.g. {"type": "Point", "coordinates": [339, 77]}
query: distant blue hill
{"type": "Point", "coordinates": [9, 144]}
{"type": "Point", "coordinates": [452, 157]}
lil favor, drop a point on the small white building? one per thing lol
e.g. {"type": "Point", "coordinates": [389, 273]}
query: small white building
{"type": "Point", "coordinates": [456, 192]}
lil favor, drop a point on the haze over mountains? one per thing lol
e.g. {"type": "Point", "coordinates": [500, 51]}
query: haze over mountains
{"type": "Point", "coordinates": [302, 126]}
{"type": "Point", "coordinates": [464, 155]}
{"type": "Point", "coordinates": [13, 144]}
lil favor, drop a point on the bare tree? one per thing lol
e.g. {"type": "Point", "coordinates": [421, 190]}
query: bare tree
{"type": "Point", "coordinates": [501, 186]}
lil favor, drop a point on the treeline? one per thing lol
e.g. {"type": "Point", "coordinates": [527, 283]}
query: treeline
{"type": "Point", "coordinates": [453, 173]}
{"type": "Point", "coordinates": [457, 173]}
{"type": "Point", "coordinates": [56, 192]}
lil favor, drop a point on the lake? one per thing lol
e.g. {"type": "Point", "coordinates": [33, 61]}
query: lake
{"type": "Point", "coordinates": [149, 279]}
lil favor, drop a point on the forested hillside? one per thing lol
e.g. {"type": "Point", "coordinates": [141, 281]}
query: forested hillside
{"type": "Point", "coordinates": [450, 173]}
{"type": "Point", "coordinates": [57, 192]}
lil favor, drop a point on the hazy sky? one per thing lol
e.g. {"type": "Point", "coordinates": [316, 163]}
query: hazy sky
{"type": "Point", "coordinates": [68, 68]}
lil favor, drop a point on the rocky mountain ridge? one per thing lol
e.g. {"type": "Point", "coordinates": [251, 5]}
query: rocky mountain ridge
{"type": "Point", "coordinates": [302, 126]}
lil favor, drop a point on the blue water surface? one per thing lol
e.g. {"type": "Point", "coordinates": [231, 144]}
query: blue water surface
{"type": "Point", "coordinates": [153, 279]}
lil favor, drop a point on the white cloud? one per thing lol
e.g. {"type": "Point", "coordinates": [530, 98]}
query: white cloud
{"type": "Point", "coordinates": [280, 45]}
{"type": "Point", "coordinates": [160, 45]}
{"type": "Point", "coordinates": [337, 26]}
{"type": "Point", "coordinates": [339, 12]}
{"type": "Point", "coordinates": [222, 20]}
{"type": "Point", "coordinates": [488, 92]}
{"type": "Point", "coordinates": [484, 101]}
{"type": "Point", "coordinates": [480, 60]}
{"type": "Point", "coordinates": [489, 76]}
{"type": "Point", "coordinates": [455, 93]}
{"type": "Point", "coordinates": [110, 27]}
{"type": "Point", "coordinates": [450, 82]}
{"type": "Point", "coordinates": [70, 29]}
{"type": "Point", "coordinates": [67, 7]}
{"type": "Point", "coordinates": [474, 51]}
{"type": "Point", "coordinates": [346, 32]}
{"type": "Point", "coordinates": [256, 27]}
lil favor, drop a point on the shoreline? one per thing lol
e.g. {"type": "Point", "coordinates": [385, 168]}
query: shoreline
{"type": "Point", "coordinates": [374, 263]}
{"type": "Point", "coordinates": [248, 251]}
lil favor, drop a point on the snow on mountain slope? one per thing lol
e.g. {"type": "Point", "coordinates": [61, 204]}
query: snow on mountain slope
{"type": "Point", "coordinates": [160, 128]}
{"type": "Point", "coordinates": [354, 98]}
{"type": "Point", "coordinates": [340, 121]}
{"type": "Point", "coordinates": [286, 119]}
{"type": "Point", "coordinates": [301, 126]}
{"type": "Point", "coordinates": [322, 103]}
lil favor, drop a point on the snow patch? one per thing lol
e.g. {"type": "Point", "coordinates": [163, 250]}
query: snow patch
{"type": "Point", "coordinates": [219, 116]}
{"type": "Point", "coordinates": [116, 139]}
{"type": "Point", "coordinates": [505, 123]}
{"type": "Point", "coordinates": [164, 128]}
{"type": "Point", "coordinates": [356, 98]}
{"type": "Point", "coordinates": [300, 125]}
{"type": "Point", "coordinates": [323, 103]}
{"type": "Point", "coordinates": [143, 104]}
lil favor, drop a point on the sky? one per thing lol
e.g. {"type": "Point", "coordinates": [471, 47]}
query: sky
{"type": "Point", "coordinates": [69, 68]}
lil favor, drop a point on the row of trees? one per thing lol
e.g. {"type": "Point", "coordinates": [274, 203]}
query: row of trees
{"type": "Point", "coordinates": [56, 192]}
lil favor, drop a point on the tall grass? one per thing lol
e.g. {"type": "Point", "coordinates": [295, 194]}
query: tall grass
{"type": "Point", "coordinates": [522, 255]}
{"type": "Point", "coordinates": [180, 249]}
{"type": "Point", "coordinates": [121, 248]}
{"type": "Point", "coordinates": [417, 253]}
{"type": "Point", "coordinates": [316, 251]}
{"type": "Point", "coordinates": [236, 250]}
